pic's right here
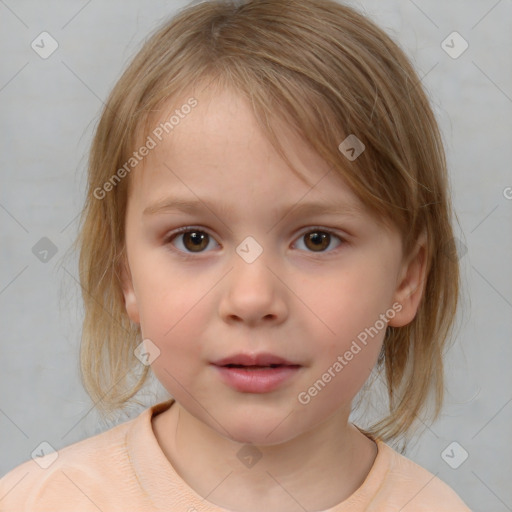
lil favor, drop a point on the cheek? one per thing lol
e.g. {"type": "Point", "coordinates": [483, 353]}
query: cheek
{"type": "Point", "coordinates": [172, 307]}
{"type": "Point", "coordinates": [168, 295]}
{"type": "Point", "coordinates": [349, 338]}
{"type": "Point", "coordinates": [354, 301]}
{"type": "Point", "coordinates": [341, 371]}
{"type": "Point", "coordinates": [174, 319]}
{"type": "Point", "coordinates": [177, 329]}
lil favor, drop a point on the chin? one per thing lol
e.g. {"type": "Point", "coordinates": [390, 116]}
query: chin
{"type": "Point", "coordinates": [260, 430]}
{"type": "Point", "coordinates": [258, 437]}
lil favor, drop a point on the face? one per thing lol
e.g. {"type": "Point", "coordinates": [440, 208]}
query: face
{"type": "Point", "coordinates": [256, 271]}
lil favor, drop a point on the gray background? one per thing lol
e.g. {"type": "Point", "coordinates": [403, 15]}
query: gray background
{"type": "Point", "coordinates": [49, 108]}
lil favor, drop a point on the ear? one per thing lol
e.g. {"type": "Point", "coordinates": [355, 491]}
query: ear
{"type": "Point", "coordinates": [130, 299]}
{"type": "Point", "coordinates": [411, 284]}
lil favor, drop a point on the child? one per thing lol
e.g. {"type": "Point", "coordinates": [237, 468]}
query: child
{"type": "Point", "coordinates": [266, 221]}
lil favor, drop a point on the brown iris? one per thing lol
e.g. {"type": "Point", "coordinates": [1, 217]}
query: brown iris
{"type": "Point", "coordinates": [198, 240]}
{"type": "Point", "coordinates": [318, 240]}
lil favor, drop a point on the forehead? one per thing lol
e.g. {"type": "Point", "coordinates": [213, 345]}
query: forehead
{"type": "Point", "coordinates": [217, 148]}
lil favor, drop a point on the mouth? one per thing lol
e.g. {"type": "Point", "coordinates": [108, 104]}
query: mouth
{"type": "Point", "coordinates": [259, 373]}
{"type": "Point", "coordinates": [255, 367]}
{"type": "Point", "coordinates": [262, 360]}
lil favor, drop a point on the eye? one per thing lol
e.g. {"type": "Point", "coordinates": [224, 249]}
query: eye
{"type": "Point", "coordinates": [317, 239]}
{"type": "Point", "coordinates": [192, 240]}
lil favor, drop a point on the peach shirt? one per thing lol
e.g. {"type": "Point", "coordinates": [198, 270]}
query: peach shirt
{"type": "Point", "coordinates": [124, 469]}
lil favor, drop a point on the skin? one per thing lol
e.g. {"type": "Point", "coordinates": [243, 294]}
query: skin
{"type": "Point", "coordinates": [299, 303]}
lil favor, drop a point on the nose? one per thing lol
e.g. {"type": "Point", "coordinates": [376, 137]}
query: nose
{"type": "Point", "coordinates": [254, 293]}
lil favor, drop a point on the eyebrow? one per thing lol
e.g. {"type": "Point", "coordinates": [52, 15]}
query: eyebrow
{"type": "Point", "coordinates": [176, 204]}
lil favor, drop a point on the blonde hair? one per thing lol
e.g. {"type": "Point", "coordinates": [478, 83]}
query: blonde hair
{"type": "Point", "coordinates": [329, 72]}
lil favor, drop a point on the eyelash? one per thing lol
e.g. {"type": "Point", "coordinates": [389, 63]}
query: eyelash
{"type": "Point", "coordinates": [186, 229]}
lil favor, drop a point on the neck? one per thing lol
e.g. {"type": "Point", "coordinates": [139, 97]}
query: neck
{"type": "Point", "coordinates": [315, 470]}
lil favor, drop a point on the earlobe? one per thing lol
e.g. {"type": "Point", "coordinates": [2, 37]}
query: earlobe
{"type": "Point", "coordinates": [411, 284]}
{"type": "Point", "coordinates": [130, 299]}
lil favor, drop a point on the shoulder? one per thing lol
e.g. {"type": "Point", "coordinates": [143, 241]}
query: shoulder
{"type": "Point", "coordinates": [411, 487]}
{"type": "Point", "coordinates": [77, 474]}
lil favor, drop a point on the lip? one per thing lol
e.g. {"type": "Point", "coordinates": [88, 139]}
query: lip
{"type": "Point", "coordinates": [253, 373]}
{"type": "Point", "coordinates": [261, 380]}
{"type": "Point", "coordinates": [262, 359]}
